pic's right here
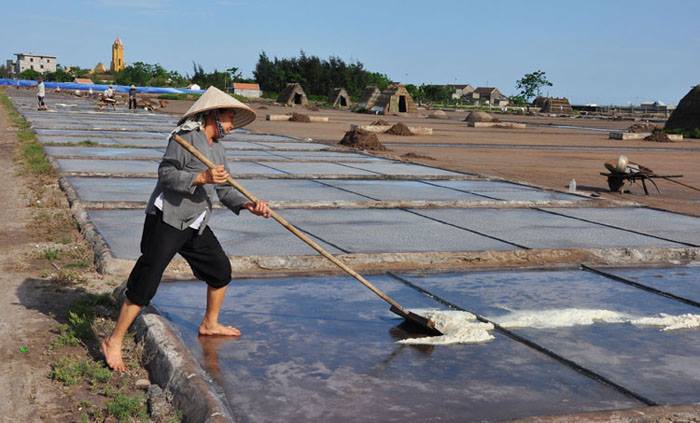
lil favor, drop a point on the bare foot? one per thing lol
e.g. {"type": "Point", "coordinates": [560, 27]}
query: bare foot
{"type": "Point", "coordinates": [113, 355]}
{"type": "Point", "coordinates": [207, 329]}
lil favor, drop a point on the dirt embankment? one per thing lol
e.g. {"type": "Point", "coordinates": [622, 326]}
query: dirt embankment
{"type": "Point", "coordinates": [549, 152]}
{"type": "Point", "coordinates": [52, 310]}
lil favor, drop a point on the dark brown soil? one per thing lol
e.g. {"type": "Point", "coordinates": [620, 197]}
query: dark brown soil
{"type": "Point", "coordinates": [399, 129]}
{"type": "Point", "coordinates": [412, 155]}
{"type": "Point", "coordinates": [262, 108]}
{"type": "Point", "coordinates": [361, 139]}
{"type": "Point", "coordinates": [639, 128]}
{"type": "Point", "coordinates": [313, 108]}
{"type": "Point", "coordinates": [300, 117]}
{"type": "Point", "coordinates": [380, 122]}
{"type": "Point", "coordinates": [468, 153]}
{"type": "Point", "coordinates": [658, 135]}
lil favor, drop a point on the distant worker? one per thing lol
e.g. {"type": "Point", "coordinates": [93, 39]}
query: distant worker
{"type": "Point", "coordinates": [132, 97]}
{"type": "Point", "coordinates": [109, 93]}
{"type": "Point", "coordinates": [108, 97]}
{"type": "Point", "coordinates": [40, 94]}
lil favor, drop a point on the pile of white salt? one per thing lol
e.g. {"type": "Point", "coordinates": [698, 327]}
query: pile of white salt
{"type": "Point", "coordinates": [461, 327]}
{"type": "Point", "coordinates": [458, 327]}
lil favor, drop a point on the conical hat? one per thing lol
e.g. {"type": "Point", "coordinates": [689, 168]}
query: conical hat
{"type": "Point", "coordinates": [213, 98]}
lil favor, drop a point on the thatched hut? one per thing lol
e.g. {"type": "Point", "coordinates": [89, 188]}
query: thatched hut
{"type": "Point", "coordinates": [293, 94]}
{"type": "Point", "coordinates": [395, 99]}
{"type": "Point", "coordinates": [369, 97]}
{"type": "Point", "coordinates": [560, 106]}
{"type": "Point", "coordinates": [686, 117]}
{"type": "Point", "coordinates": [339, 98]}
{"type": "Point", "coordinates": [539, 101]}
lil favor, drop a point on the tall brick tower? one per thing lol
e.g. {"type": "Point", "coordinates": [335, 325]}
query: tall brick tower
{"type": "Point", "coordinates": [117, 56]}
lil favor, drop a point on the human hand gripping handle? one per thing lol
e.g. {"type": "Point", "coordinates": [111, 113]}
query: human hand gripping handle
{"type": "Point", "coordinates": [424, 322]}
{"type": "Point", "coordinates": [213, 175]}
{"type": "Point", "coordinates": [219, 175]}
{"type": "Point", "coordinates": [258, 208]}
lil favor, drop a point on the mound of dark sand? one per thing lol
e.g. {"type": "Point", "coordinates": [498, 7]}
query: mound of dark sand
{"type": "Point", "coordinates": [262, 108]}
{"type": "Point", "coordinates": [658, 135]}
{"type": "Point", "coordinates": [363, 140]}
{"type": "Point", "coordinates": [639, 128]}
{"type": "Point", "coordinates": [380, 122]}
{"type": "Point", "coordinates": [399, 129]}
{"type": "Point", "coordinates": [438, 114]}
{"type": "Point", "coordinates": [299, 117]}
{"type": "Point", "coordinates": [480, 117]}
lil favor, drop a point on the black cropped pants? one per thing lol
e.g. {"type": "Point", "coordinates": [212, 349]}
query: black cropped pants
{"type": "Point", "coordinates": [159, 244]}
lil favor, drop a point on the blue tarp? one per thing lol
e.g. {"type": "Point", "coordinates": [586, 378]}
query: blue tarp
{"type": "Point", "coordinates": [98, 87]}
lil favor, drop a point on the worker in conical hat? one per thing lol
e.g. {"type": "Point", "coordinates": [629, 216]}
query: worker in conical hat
{"type": "Point", "coordinates": [178, 213]}
{"type": "Point", "coordinates": [132, 97]}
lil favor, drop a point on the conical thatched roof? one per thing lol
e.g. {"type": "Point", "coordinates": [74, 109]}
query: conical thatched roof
{"type": "Point", "coordinates": [396, 99]}
{"type": "Point", "coordinates": [339, 98]}
{"type": "Point", "coordinates": [686, 117]}
{"type": "Point", "coordinates": [369, 97]}
{"type": "Point", "coordinates": [539, 101]}
{"type": "Point", "coordinates": [293, 94]}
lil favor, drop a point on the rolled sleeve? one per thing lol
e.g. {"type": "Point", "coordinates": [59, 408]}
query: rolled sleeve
{"type": "Point", "coordinates": [231, 198]}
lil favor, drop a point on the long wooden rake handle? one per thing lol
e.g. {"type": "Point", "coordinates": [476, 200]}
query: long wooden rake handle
{"type": "Point", "coordinates": [668, 178]}
{"type": "Point", "coordinates": [291, 228]}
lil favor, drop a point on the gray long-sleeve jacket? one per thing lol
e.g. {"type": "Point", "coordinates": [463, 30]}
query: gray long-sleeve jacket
{"type": "Point", "coordinates": [183, 202]}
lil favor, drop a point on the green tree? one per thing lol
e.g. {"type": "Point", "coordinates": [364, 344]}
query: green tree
{"type": "Point", "coordinates": [414, 91]}
{"type": "Point", "coordinates": [531, 84]}
{"type": "Point", "coordinates": [29, 74]}
{"type": "Point", "coordinates": [145, 74]}
{"type": "Point", "coordinates": [137, 73]}
{"type": "Point", "coordinates": [318, 76]}
{"type": "Point", "coordinates": [60, 75]}
{"type": "Point", "coordinates": [436, 93]}
{"type": "Point", "coordinates": [79, 72]}
{"type": "Point", "coordinates": [218, 79]}
{"type": "Point", "coordinates": [517, 100]}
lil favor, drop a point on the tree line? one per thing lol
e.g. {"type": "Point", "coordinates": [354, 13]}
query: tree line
{"type": "Point", "coordinates": [140, 74]}
{"type": "Point", "coordinates": [317, 76]}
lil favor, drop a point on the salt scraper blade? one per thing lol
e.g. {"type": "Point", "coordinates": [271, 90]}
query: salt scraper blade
{"type": "Point", "coordinates": [420, 322]}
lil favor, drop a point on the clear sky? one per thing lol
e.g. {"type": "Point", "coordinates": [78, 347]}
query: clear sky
{"type": "Point", "coordinates": [594, 51]}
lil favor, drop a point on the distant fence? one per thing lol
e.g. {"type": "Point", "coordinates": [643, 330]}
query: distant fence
{"type": "Point", "coordinates": [624, 109]}
{"type": "Point", "coordinates": [97, 87]}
